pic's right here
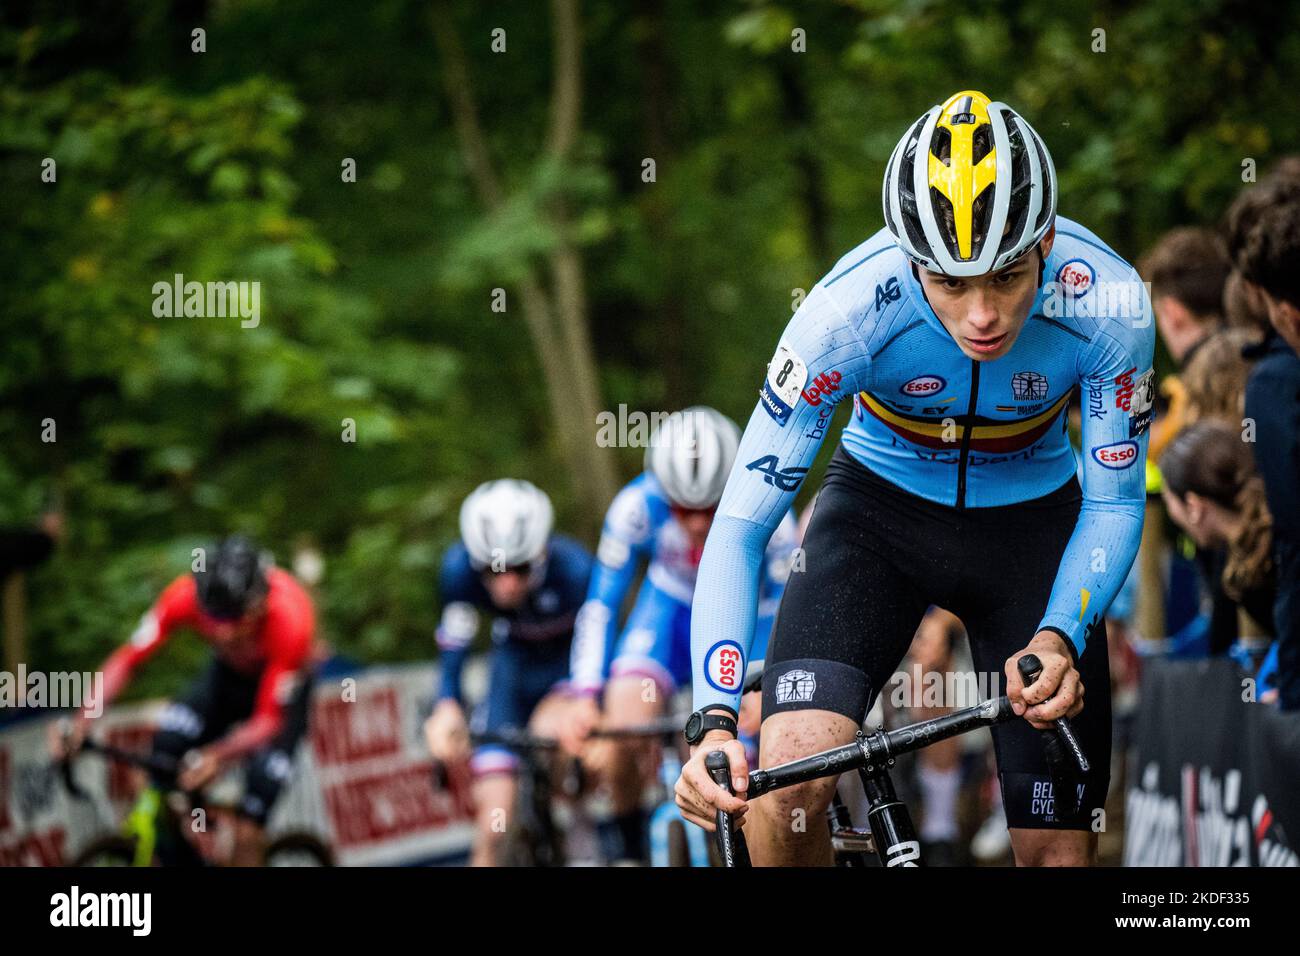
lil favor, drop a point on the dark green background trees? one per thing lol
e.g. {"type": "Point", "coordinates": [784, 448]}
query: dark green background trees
{"type": "Point", "coordinates": [226, 165]}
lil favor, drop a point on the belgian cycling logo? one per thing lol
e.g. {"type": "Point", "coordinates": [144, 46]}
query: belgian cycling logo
{"type": "Point", "coordinates": [796, 687]}
{"type": "Point", "coordinates": [724, 666]}
{"type": "Point", "coordinates": [1075, 277]}
{"type": "Point", "coordinates": [1117, 456]}
{"type": "Point", "coordinates": [1028, 386]}
{"type": "Point", "coordinates": [889, 292]}
{"type": "Point", "coordinates": [786, 375]}
{"type": "Point", "coordinates": [787, 479]}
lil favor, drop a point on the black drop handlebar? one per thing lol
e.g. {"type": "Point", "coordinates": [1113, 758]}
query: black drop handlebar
{"type": "Point", "coordinates": [880, 748]}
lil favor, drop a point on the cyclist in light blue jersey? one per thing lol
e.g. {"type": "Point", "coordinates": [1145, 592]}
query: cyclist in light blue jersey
{"type": "Point", "coordinates": [661, 518]}
{"type": "Point", "coordinates": [960, 331]}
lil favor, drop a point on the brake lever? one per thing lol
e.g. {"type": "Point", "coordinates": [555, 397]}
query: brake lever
{"type": "Point", "coordinates": [731, 842]}
{"type": "Point", "coordinates": [1031, 668]}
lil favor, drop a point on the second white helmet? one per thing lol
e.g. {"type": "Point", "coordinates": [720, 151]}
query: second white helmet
{"type": "Point", "coordinates": [691, 455]}
{"type": "Point", "coordinates": [506, 523]}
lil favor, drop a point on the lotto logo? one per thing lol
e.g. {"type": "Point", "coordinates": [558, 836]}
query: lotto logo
{"type": "Point", "coordinates": [821, 385]}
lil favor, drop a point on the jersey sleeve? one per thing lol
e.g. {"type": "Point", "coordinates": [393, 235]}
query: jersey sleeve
{"type": "Point", "coordinates": [819, 361]}
{"type": "Point", "coordinates": [1116, 366]}
{"type": "Point", "coordinates": [174, 607]}
{"type": "Point", "coordinates": [626, 538]}
{"type": "Point", "coordinates": [458, 625]}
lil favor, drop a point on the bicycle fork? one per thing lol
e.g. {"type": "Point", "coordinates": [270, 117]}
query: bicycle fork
{"type": "Point", "coordinates": [891, 824]}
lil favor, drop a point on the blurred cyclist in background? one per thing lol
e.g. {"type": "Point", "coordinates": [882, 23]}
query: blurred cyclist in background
{"type": "Point", "coordinates": [530, 584]}
{"type": "Point", "coordinates": [663, 516]}
{"type": "Point", "coordinates": [252, 701]}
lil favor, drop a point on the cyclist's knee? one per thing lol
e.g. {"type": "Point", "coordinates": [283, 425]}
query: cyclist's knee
{"type": "Point", "coordinates": [632, 699]}
{"type": "Point", "coordinates": [494, 796]}
{"type": "Point", "coordinates": [1053, 847]}
{"type": "Point", "coordinates": [792, 735]}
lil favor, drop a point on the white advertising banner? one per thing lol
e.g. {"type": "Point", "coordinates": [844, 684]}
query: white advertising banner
{"type": "Point", "coordinates": [362, 782]}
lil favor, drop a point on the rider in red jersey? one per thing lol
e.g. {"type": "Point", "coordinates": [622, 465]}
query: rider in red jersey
{"type": "Point", "coordinates": [251, 702]}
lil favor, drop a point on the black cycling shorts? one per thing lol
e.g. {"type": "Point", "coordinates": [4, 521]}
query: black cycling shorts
{"type": "Point", "coordinates": [220, 698]}
{"type": "Point", "coordinates": [875, 558]}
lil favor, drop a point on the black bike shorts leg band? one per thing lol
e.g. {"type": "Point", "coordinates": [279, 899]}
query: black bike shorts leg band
{"type": "Point", "coordinates": [1032, 803]}
{"type": "Point", "coordinates": [816, 684]}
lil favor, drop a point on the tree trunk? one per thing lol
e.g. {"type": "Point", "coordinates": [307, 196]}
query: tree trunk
{"type": "Point", "coordinates": [556, 318]}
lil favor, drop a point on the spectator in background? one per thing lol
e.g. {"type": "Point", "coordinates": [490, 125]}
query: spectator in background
{"type": "Point", "coordinates": [1243, 308]}
{"type": "Point", "coordinates": [1264, 241]}
{"type": "Point", "coordinates": [1214, 379]}
{"type": "Point", "coordinates": [1212, 491]}
{"type": "Point", "coordinates": [1187, 269]}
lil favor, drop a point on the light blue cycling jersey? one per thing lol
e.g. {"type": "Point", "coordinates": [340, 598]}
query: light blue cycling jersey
{"type": "Point", "coordinates": [639, 525]}
{"type": "Point", "coordinates": [932, 421]}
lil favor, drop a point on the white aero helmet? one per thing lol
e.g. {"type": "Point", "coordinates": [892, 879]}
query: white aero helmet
{"type": "Point", "coordinates": [506, 523]}
{"type": "Point", "coordinates": [969, 188]}
{"type": "Point", "coordinates": [691, 454]}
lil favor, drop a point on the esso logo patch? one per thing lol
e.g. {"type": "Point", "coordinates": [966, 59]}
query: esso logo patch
{"type": "Point", "coordinates": [1117, 456]}
{"type": "Point", "coordinates": [1075, 277]}
{"type": "Point", "coordinates": [923, 386]}
{"type": "Point", "coordinates": [724, 667]}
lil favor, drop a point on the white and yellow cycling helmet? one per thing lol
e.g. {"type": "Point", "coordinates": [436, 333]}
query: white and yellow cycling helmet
{"type": "Point", "coordinates": [969, 188]}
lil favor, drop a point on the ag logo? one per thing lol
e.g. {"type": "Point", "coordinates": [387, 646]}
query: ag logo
{"type": "Point", "coordinates": [723, 666]}
{"type": "Point", "coordinates": [1075, 277]}
{"type": "Point", "coordinates": [786, 479]}
{"type": "Point", "coordinates": [1028, 386]}
{"type": "Point", "coordinates": [796, 687]}
{"type": "Point", "coordinates": [1116, 457]}
{"type": "Point", "coordinates": [923, 386]}
{"type": "Point", "coordinates": [889, 292]}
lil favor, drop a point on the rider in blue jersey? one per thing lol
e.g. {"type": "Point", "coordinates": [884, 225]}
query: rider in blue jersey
{"type": "Point", "coordinates": [530, 584]}
{"type": "Point", "coordinates": [960, 331]}
{"type": "Point", "coordinates": [661, 518]}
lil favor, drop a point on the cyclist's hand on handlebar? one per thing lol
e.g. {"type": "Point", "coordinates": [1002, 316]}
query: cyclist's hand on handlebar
{"type": "Point", "coordinates": [1057, 693]}
{"type": "Point", "coordinates": [198, 769]}
{"type": "Point", "coordinates": [65, 737]}
{"type": "Point", "coordinates": [447, 733]}
{"type": "Point", "coordinates": [698, 797]}
{"type": "Point", "coordinates": [577, 724]}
